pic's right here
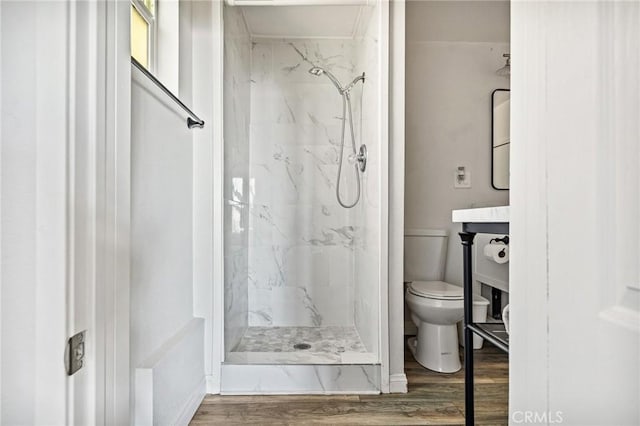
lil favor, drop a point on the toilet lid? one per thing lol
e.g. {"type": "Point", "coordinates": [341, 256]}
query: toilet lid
{"type": "Point", "coordinates": [436, 290]}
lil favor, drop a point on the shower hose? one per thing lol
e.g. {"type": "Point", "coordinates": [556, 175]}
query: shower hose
{"type": "Point", "coordinates": [346, 101]}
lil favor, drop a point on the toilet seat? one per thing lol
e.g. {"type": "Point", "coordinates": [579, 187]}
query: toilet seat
{"type": "Point", "coordinates": [435, 290]}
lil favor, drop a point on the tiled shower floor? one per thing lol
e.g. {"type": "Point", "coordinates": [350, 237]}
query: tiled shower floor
{"type": "Point", "coordinates": [276, 345]}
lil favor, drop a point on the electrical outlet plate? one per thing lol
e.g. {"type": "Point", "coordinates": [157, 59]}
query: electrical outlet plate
{"type": "Point", "coordinates": [462, 183]}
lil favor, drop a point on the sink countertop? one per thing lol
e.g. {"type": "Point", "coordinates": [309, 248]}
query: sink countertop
{"type": "Point", "coordinates": [498, 214]}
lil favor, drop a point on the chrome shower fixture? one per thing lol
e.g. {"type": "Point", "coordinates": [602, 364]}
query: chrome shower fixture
{"type": "Point", "coordinates": [506, 70]}
{"type": "Point", "coordinates": [357, 158]}
{"type": "Point", "coordinates": [318, 71]}
{"type": "Point", "coordinates": [353, 83]}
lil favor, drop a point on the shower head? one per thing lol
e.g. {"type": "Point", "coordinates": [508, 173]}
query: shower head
{"type": "Point", "coordinates": [506, 70]}
{"type": "Point", "coordinates": [317, 71]}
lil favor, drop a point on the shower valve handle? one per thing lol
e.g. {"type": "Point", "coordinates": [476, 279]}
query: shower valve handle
{"type": "Point", "coordinates": [361, 158]}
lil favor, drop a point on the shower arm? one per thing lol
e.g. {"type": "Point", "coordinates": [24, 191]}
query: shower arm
{"type": "Point", "coordinates": [353, 83]}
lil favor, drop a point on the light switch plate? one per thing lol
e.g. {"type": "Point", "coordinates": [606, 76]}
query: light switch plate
{"type": "Point", "coordinates": [465, 183]}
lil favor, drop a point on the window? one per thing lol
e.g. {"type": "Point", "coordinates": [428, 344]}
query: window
{"type": "Point", "coordinates": [143, 31]}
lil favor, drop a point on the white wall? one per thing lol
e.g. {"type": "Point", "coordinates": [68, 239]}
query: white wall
{"type": "Point", "coordinates": [166, 340]}
{"type": "Point", "coordinates": [161, 231]}
{"type": "Point", "coordinates": [458, 21]}
{"type": "Point", "coordinates": [453, 51]}
{"type": "Point", "coordinates": [161, 215]}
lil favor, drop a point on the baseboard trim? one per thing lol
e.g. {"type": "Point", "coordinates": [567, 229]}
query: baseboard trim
{"type": "Point", "coordinates": [398, 383]}
{"type": "Point", "coordinates": [192, 404]}
{"type": "Point", "coordinates": [213, 384]}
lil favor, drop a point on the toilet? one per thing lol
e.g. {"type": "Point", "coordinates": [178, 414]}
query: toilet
{"type": "Point", "coordinates": [435, 306]}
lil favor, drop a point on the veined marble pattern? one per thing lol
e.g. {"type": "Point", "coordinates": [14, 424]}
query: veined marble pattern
{"type": "Point", "coordinates": [332, 339]}
{"type": "Point", "coordinates": [301, 253]}
{"type": "Point", "coordinates": [299, 379]}
{"type": "Point", "coordinates": [366, 298]}
{"type": "Point", "coordinates": [301, 242]}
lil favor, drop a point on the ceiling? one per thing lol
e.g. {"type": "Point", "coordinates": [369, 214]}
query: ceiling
{"type": "Point", "coordinates": [331, 21]}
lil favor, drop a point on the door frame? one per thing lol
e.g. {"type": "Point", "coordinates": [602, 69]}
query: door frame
{"type": "Point", "coordinates": [115, 17]}
{"type": "Point", "coordinates": [209, 212]}
{"type": "Point", "coordinates": [98, 197]}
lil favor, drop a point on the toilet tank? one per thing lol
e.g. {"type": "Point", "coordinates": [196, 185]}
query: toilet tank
{"type": "Point", "coordinates": [425, 254]}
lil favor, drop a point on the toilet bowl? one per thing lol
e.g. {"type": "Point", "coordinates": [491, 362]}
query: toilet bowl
{"type": "Point", "coordinates": [436, 307]}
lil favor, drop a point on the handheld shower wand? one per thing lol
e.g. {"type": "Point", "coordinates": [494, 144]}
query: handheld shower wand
{"type": "Point", "coordinates": [360, 157]}
{"type": "Point", "coordinates": [317, 71]}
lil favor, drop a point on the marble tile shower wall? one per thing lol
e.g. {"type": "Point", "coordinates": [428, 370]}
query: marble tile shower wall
{"type": "Point", "coordinates": [237, 100]}
{"type": "Point", "coordinates": [367, 263]}
{"type": "Point", "coordinates": [302, 244]}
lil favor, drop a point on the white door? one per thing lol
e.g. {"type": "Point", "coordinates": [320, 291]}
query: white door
{"type": "Point", "coordinates": [64, 257]}
{"type": "Point", "coordinates": [34, 293]}
{"type": "Point", "coordinates": [575, 204]}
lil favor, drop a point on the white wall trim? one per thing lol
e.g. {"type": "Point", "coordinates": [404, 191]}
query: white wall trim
{"type": "Point", "coordinates": [85, 192]}
{"type": "Point", "coordinates": [398, 380]}
{"type": "Point", "coordinates": [203, 239]}
{"type": "Point", "coordinates": [192, 404]}
{"type": "Point", "coordinates": [117, 213]}
{"type": "Point", "coordinates": [213, 384]}
{"type": "Point", "coordinates": [177, 361]}
{"type": "Point", "coordinates": [398, 383]}
{"type": "Point", "coordinates": [218, 192]}
{"type": "Point", "coordinates": [383, 274]}
{"type": "Point", "coordinates": [208, 163]}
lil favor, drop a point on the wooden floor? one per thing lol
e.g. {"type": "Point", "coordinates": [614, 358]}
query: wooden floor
{"type": "Point", "coordinates": [433, 399]}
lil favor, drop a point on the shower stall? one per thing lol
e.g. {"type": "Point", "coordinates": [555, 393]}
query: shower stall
{"type": "Point", "coordinates": [303, 150]}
